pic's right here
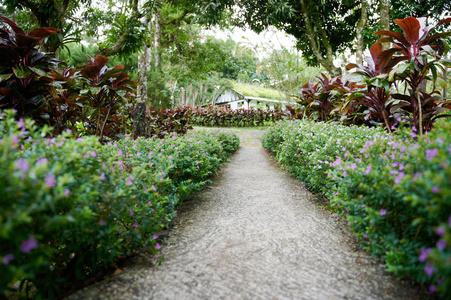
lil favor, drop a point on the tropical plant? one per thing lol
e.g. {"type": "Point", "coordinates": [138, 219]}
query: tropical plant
{"type": "Point", "coordinates": [422, 55]}
{"type": "Point", "coordinates": [376, 94]}
{"type": "Point", "coordinates": [24, 79]}
{"type": "Point", "coordinates": [105, 90]}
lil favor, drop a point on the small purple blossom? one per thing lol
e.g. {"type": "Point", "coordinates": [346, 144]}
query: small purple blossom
{"type": "Point", "coordinates": [28, 245]}
{"type": "Point", "coordinates": [102, 176]}
{"type": "Point", "coordinates": [383, 212]}
{"type": "Point", "coordinates": [50, 180]}
{"type": "Point", "coordinates": [161, 179]}
{"type": "Point", "coordinates": [428, 269]}
{"type": "Point", "coordinates": [424, 254]}
{"type": "Point", "coordinates": [157, 246]}
{"type": "Point", "coordinates": [66, 192]}
{"type": "Point", "coordinates": [150, 203]}
{"type": "Point", "coordinates": [15, 139]}
{"type": "Point", "coordinates": [365, 235]}
{"type": "Point", "coordinates": [101, 223]}
{"type": "Point", "coordinates": [7, 258]}
{"type": "Point", "coordinates": [441, 231]}
{"type": "Point", "coordinates": [170, 157]}
{"type": "Point", "coordinates": [399, 177]}
{"type": "Point", "coordinates": [93, 154]}
{"type": "Point", "coordinates": [441, 244]}
{"type": "Point", "coordinates": [41, 161]}
{"type": "Point", "coordinates": [131, 212]}
{"type": "Point", "coordinates": [432, 289]}
{"type": "Point", "coordinates": [22, 165]}
{"type": "Point", "coordinates": [368, 169]}
{"type": "Point", "coordinates": [135, 225]}
{"type": "Point", "coordinates": [435, 189]}
{"type": "Point", "coordinates": [155, 236]}
{"type": "Point", "coordinates": [431, 153]}
{"type": "Point", "coordinates": [154, 188]}
{"type": "Point", "coordinates": [129, 182]}
{"type": "Point", "coordinates": [21, 123]}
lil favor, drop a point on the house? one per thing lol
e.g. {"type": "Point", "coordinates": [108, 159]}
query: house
{"type": "Point", "coordinates": [234, 99]}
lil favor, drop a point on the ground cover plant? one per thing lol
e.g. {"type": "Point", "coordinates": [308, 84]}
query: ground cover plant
{"type": "Point", "coordinates": [221, 116]}
{"type": "Point", "coordinates": [71, 207]}
{"type": "Point", "coordinates": [393, 189]}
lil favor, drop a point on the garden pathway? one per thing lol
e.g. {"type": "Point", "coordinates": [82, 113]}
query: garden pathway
{"type": "Point", "coordinates": [255, 233]}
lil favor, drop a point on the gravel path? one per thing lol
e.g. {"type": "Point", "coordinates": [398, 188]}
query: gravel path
{"type": "Point", "coordinates": [256, 233]}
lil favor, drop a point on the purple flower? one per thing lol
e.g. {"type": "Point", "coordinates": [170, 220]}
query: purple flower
{"type": "Point", "coordinates": [120, 152]}
{"type": "Point", "coordinates": [441, 244]}
{"type": "Point", "coordinates": [399, 177]}
{"type": "Point", "coordinates": [441, 231]}
{"type": "Point", "coordinates": [432, 289]}
{"type": "Point", "coordinates": [158, 247]}
{"type": "Point", "coordinates": [138, 154]}
{"type": "Point", "coordinates": [365, 236]}
{"type": "Point", "coordinates": [15, 139]}
{"type": "Point", "coordinates": [129, 182]}
{"type": "Point", "coordinates": [383, 212]}
{"type": "Point", "coordinates": [21, 123]}
{"type": "Point", "coordinates": [449, 221]}
{"type": "Point", "coordinates": [428, 269]}
{"type": "Point", "coordinates": [135, 225]}
{"type": "Point", "coordinates": [435, 189]}
{"type": "Point", "coordinates": [424, 254]}
{"type": "Point", "coordinates": [161, 179]}
{"type": "Point", "coordinates": [50, 180]}
{"type": "Point", "coordinates": [102, 176]}
{"type": "Point", "coordinates": [170, 157]}
{"type": "Point", "coordinates": [368, 170]}
{"type": "Point", "coordinates": [66, 192]}
{"type": "Point", "coordinates": [150, 203]}
{"type": "Point", "coordinates": [28, 245]}
{"type": "Point", "coordinates": [363, 205]}
{"type": "Point", "coordinates": [345, 174]}
{"type": "Point", "coordinates": [155, 236]}
{"type": "Point", "coordinates": [431, 153]}
{"type": "Point", "coordinates": [353, 166]}
{"type": "Point", "coordinates": [41, 161]}
{"type": "Point", "coordinates": [22, 165]}
{"type": "Point", "coordinates": [93, 154]}
{"type": "Point", "coordinates": [154, 188]}
{"type": "Point", "coordinates": [101, 223]}
{"type": "Point", "coordinates": [7, 258]}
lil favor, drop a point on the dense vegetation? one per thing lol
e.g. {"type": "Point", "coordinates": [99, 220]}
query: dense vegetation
{"type": "Point", "coordinates": [70, 207]}
{"type": "Point", "coordinates": [390, 177]}
{"type": "Point", "coordinates": [393, 190]}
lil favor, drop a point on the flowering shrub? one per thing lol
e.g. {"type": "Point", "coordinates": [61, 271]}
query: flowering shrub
{"type": "Point", "coordinates": [70, 207]}
{"type": "Point", "coordinates": [221, 116]}
{"type": "Point", "coordinates": [394, 192]}
{"type": "Point", "coordinates": [309, 150]}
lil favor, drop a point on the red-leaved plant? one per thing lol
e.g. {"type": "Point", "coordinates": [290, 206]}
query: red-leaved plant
{"type": "Point", "coordinates": [422, 55]}
{"type": "Point", "coordinates": [24, 80]}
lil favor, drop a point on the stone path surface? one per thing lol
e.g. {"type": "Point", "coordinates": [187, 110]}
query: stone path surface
{"type": "Point", "coordinates": [256, 233]}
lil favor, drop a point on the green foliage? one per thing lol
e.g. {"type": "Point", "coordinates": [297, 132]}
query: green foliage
{"type": "Point", "coordinates": [393, 191]}
{"type": "Point", "coordinates": [221, 116]}
{"type": "Point", "coordinates": [70, 207]}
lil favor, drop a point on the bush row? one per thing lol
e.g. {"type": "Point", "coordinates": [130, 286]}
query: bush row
{"type": "Point", "coordinates": [394, 190]}
{"type": "Point", "coordinates": [70, 207]}
{"type": "Point", "coordinates": [221, 116]}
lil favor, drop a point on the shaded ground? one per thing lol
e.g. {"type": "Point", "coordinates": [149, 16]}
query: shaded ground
{"type": "Point", "coordinates": [256, 233]}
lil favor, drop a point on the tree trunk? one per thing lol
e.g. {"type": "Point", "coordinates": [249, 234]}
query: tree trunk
{"type": "Point", "coordinates": [327, 62]}
{"type": "Point", "coordinates": [360, 27]}
{"type": "Point", "coordinates": [384, 11]}
{"type": "Point", "coordinates": [157, 37]}
{"type": "Point", "coordinates": [144, 61]}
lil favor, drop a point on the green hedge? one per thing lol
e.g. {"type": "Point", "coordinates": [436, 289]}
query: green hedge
{"type": "Point", "coordinates": [70, 207]}
{"type": "Point", "coordinates": [395, 191]}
